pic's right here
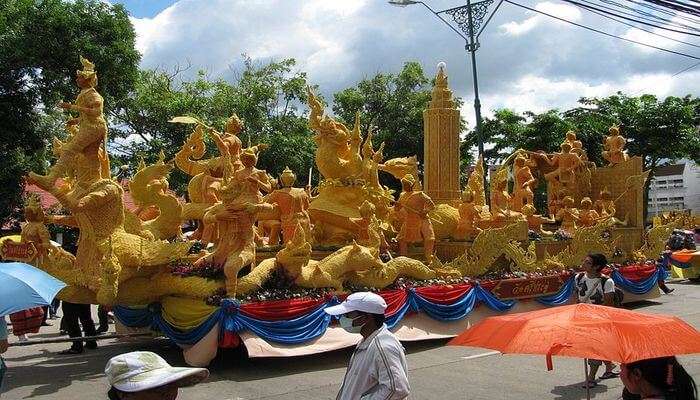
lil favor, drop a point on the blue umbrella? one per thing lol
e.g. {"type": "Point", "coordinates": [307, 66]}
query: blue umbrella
{"type": "Point", "coordinates": [24, 286]}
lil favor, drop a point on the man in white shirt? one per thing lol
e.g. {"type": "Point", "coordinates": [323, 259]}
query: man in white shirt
{"type": "Point", "coordinates": [377, 368]}
{"type": "Point", "coordinates": [596, 288]}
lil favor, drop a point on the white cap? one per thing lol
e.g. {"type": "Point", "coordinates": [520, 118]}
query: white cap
{"type": "Point", "coordinates": [143, 370]}
{"type": "Point", "coordinates": [361, 301]}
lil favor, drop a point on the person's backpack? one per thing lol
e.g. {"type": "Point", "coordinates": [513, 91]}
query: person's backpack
{"type": "Point", "coordinates": [618, 296]}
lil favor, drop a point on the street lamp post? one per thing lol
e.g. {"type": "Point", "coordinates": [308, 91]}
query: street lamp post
{"type": "Point", "coordinates": [469, 19]}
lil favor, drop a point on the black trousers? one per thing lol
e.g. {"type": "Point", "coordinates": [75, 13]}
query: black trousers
{"type": "Point", "coordinates": [103, 317]}
{"type": "Point", "coordinates": [72, 313]}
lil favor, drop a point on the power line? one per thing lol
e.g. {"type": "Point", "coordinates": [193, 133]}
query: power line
{"type": "Point", "coordinates": [651, 16]}
{"type": "Point", "coordinates": [666, 11]}
{"type": "Point", "coordinates": [641, 29]}
{"type": "Point", "coordinates": [677, 5]}
{"type": "Point", "coordinates": [582, 5]}
{"type": "Point", "coordinates": [601, 32]}
{"type": "Point", "coordinates": [686, 69]}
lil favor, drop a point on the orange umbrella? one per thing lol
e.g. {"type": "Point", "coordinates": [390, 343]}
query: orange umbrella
{"type": "Point", "coordinates": [584, 331]}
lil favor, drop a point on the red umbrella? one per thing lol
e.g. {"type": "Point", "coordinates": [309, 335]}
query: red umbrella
{"type": "Point", "coordinates": [584, 331]}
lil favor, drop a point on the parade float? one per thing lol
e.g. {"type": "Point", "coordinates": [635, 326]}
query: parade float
{"type": "Point", "coordinates": [267, 257]}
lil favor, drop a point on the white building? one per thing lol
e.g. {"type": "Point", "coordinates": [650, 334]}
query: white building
{"type": "Point", "coordinates": [675, 187]}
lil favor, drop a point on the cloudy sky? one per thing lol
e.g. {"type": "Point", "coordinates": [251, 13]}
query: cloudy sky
{"type": "Point", "coordinates": [526, 61]}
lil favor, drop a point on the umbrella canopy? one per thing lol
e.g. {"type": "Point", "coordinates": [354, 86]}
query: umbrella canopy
{"type": "Point", "coordinates": [584, 331]}
{"type": "Point", "coordinates": [23, 286]}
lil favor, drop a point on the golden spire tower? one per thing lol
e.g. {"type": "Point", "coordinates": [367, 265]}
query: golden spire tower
{"type": "Point", "coordinates": [441, 142]}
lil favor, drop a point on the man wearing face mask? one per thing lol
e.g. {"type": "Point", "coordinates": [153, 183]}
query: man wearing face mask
{"type": "Point", "coordinates": [377, 368]}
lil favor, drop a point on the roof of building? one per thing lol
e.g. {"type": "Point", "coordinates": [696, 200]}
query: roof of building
{"type": "Point", "coordinates": [671, 169]}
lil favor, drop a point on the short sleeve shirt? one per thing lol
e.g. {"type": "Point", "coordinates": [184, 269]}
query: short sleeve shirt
{"type": "Point", "coordinates": [592, 290]}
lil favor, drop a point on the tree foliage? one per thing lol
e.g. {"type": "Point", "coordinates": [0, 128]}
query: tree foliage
{"type": "Point", "coordinates": [40, 45]}
{"type": "Point", "coordinates": [266, 97]}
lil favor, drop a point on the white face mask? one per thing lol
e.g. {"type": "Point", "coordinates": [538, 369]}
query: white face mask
{"type": "Point", "coordinates": [346, 323]}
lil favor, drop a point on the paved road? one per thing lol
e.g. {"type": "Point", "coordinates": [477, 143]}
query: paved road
{"type": "Point", "coordinates": [436, 371]}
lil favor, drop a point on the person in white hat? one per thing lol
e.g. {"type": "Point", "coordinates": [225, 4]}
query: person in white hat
{"type": "Point", "coordinates": [143, 375]}
{"type": "Point", "coordinates": [377, 368]}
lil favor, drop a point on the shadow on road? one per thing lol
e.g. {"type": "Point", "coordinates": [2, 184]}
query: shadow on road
{"type": "Point", "coordinates": [576, 392]}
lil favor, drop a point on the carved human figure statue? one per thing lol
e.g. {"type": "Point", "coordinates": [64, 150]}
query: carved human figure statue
{"type": "Point", "coordinates": [293, 205]}
{"type": "Point", "coordinates": [587, 215]}
{"type": "Point", "coordinates": [535, 221]}
{"type": "Point", "coordinates": [613, 147]}
{"type": "Point", "coordinates": [235, 217]}
{"type": "Point", "coordinates": [35, 230]}
{"type": "Point", "coordinates": [576, 145]}
{"type": "Point", "coordinates": [414, 206]}
{"type": "Point", "coordinates": [524, 183]}
{"type": "Point", "coordinates": [469, 216]}
{"type": "Point", "coordinates": [568, 215]}
{"type": "Point", "coordinates": [251, 179]}
{"type": "Point", "coordinates": [605, 205]}
{"type": "Point", "coordinates": [91, 133]}
{"type": "Point", "coordinates": [566, 163]}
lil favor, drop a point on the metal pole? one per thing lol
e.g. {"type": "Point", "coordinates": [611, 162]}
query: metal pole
{"type": "Point", "coordinates": [471, 48]}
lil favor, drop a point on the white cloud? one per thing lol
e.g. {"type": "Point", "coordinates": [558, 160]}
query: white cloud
{"type": "Point", "coordinates": [564, 11]}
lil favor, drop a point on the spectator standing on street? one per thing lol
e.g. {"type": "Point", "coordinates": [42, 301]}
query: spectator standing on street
{"type": "Point", "coordinates": [142, 375]}
{"type": "Point", "coordinates": [72, 313]}
{"type": "Point", "coordinates": [596, 288]}
{"type": "Point", "coordinates": [377, 368]}
{"type": "Point", "coordinates": [658, 378]}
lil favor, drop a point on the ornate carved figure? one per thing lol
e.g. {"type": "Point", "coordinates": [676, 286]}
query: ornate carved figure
{"type": "Point", "coordinates": [535, 221]}
{"type": "Point", "coordinates": [568, 215]}
{"type": "Point", "coordinates": [292, 204]}
{"type": "Point", "coordinates": [588, 216]}
{"type": "Point", "coordinates": [524, 183]}
{"type": "Point", "coordinates": [414, 206]}
{"type": "Point", "coordinates": [613, 147]}
{"type": "Point", "coordinates": [469, 216]}
{"type": "Point", "coordinates": [91, 130]}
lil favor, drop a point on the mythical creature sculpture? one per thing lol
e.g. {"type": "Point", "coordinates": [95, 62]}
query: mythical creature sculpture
{"type": "Point", "coordinates": [613, 147]}
{"type": "Point", "coordinates": [149, 187]}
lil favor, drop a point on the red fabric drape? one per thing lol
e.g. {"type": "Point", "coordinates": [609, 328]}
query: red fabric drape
{"type": "Point", "coordinates": [395, 299]}
{"type": "Point", "coordinates": [280, 309]}
{"type": "Point", "coordinates": [443, 294]}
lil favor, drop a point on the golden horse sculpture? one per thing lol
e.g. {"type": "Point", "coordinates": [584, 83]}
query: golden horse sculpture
{"type": "Point", "coordinates": [356, 264]}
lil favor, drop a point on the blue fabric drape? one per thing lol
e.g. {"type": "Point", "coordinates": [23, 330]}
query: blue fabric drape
{"type": "Point", "coordinates": [637, 287]}
{"type": "Point", "coordinates": [492, 301]}
{"type": "Point", "coordinates": [297, 330]}
{"type": "Point", "coordinates": [560, 297]}
{"type": "Point", "coordinates": [398, 316]}
{"type": "Point", "coordinates": [445, 312]}
{"type": "Point", "coordinates": [133, 317]}
{"type": "Point", "coordinates": [150, 316]}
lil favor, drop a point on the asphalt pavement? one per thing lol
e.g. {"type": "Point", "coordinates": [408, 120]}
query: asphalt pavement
{"type": "Point", "coordinates": [436, 371]}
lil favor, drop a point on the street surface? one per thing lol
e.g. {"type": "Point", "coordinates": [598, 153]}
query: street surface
{"type": "Point", "coordinates": [436, 371]}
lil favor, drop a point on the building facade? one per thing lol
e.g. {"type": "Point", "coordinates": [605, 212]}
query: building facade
{"type": "Point", "coordinates": [675, 187]}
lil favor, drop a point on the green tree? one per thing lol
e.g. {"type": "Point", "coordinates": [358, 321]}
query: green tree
{"type": "Point", "coordinates": [394, 105]}
{"type": "Point", "coordinates": [40, 45]}
{"type": "Point", "coordinates": [266, 97]}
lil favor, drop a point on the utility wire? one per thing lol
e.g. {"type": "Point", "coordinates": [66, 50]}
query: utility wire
{"type": "Point", "coordinates": [654, 17]}
{"type": "Point", "coordinates": [677, 5]}
{"type": "Point", "coordinates": [641, 29]}
{"type": "Point", "coordinates": [601, 32]}
{"type": "Point", "coordinates": [686, 17]}
{"type": "Point", "coordinates": [650, 16]}
{"type": "Point", "coordinates": [631, 19]}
